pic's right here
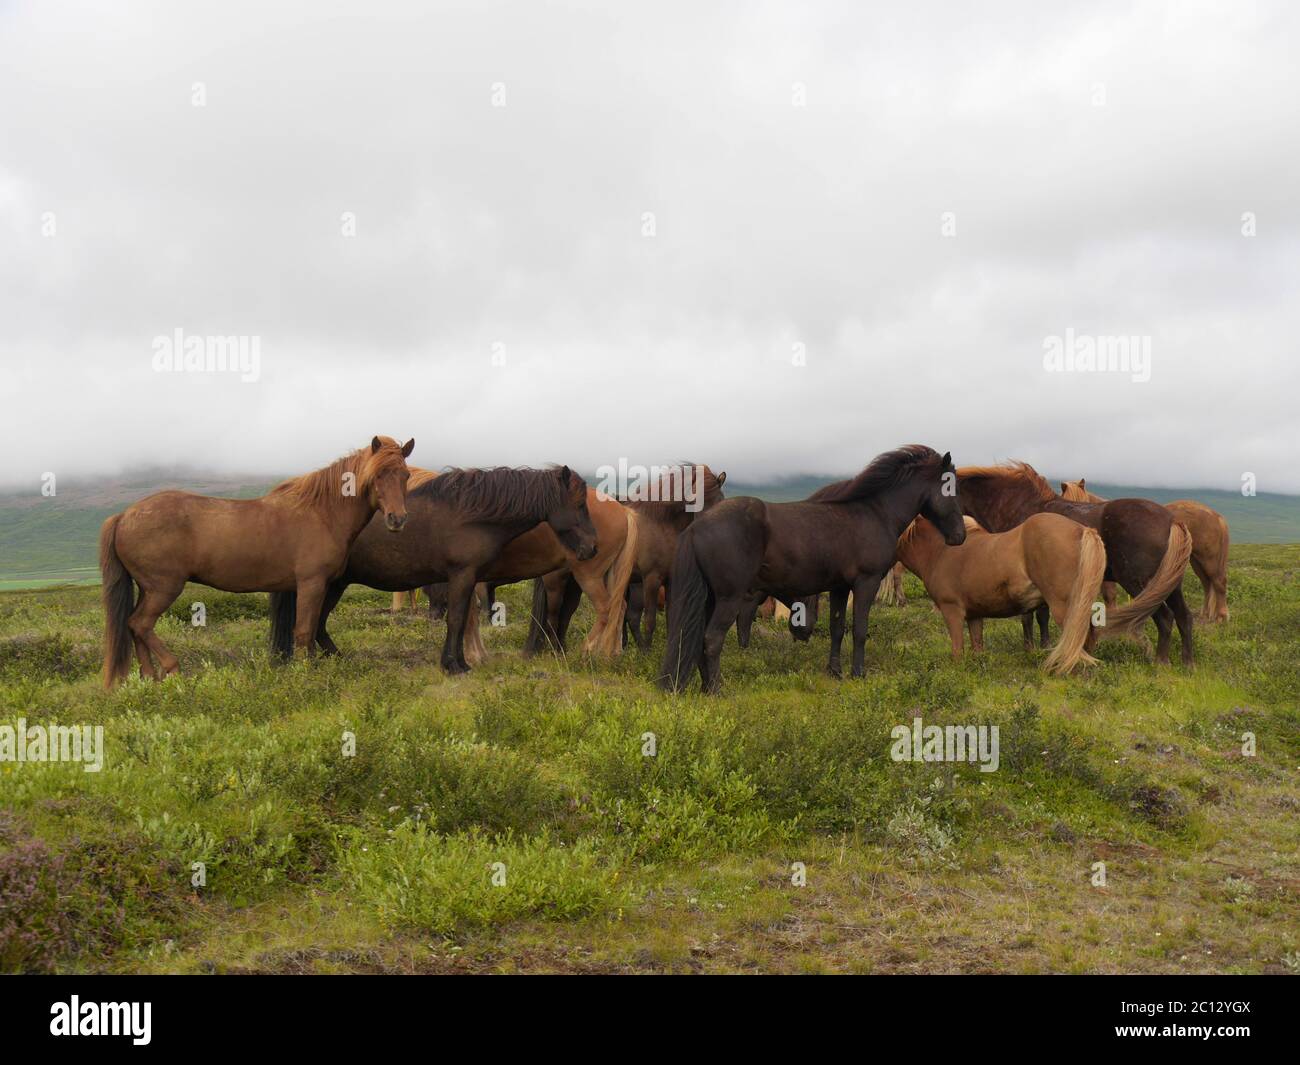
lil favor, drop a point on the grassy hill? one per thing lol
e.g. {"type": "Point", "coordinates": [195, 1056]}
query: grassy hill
{"type": "Point", "coordinates": [53, 540]}
{"type": "Point", "coordinates": [769, 831]}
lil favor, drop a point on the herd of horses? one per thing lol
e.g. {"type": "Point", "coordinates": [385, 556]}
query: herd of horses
{"type": "Point", "coordinates": [986, 542]}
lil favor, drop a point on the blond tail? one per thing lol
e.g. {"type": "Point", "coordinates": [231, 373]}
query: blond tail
{"type": "Point", "coordinates": [1127, 619]}
{"type": "Point", "coordinates": [1069, 650]}
{"type": "Point", "coordinates": [617, 578]}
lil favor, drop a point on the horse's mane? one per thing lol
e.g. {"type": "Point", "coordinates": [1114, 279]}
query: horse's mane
{"type": "Point", "coordinates": [324, 485]}
{"type": "Point", "coordinates": [1073, 492]}
{"type": "Point", "coordinates": [498, 493]}
{"type": "Point", "coordinates": [885, 471]}
{"type": "Point", "coordinates": [666, 506]}
{"type": "Point", "coordinates": [1004, 495]}
{"type": "Point", "coordinates": [419, 476]}
{"type": "Point", "coordinates": [972, 526]}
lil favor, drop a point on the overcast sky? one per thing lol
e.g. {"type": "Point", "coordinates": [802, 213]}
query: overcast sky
{"type": "Point", "coordinates": [912, 198]}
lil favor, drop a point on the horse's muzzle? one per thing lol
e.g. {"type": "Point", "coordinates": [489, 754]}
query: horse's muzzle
{"type": "Point", "coordinates": [395, 522]}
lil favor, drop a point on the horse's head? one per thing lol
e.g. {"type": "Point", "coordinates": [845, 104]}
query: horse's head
{"type": "Point", "coordinates": [713, 483]}
{"type": "Point", "coordinates": [940, 505]}
{"type": "Point", "coordinates": [568, 517]}
{"type": "Point", "coordinates": [1077, 492]}
{"type": "Point", "coordinates": [386, 475]}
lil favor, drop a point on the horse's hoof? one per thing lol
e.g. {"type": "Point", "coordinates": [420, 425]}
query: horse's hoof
{"type": "Point", "coordinates": [834, 671]}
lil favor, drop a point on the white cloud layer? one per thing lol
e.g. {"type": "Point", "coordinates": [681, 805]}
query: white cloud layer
{"type": "Point", "coordinates": [1097, 160]}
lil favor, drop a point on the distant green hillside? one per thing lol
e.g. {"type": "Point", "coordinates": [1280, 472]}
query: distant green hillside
{"type": "Point", "coordinates": [48, 541]}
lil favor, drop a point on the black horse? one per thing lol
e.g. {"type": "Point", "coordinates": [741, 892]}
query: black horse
{"type": "Point", "coordinates": [457, 524]}
{"type": "Point", "coordinates": [842, 538]}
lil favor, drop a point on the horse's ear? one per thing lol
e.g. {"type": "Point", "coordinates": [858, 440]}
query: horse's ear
{"type": "Point", "coordinates": [1065, 487]}
{"type": "Point", "coordinates": [721, 478]}
{"type": "Point", "coordinates": [1083, 482]}
{"type": "Point", "coordinates": [564, 475]}
{"type": "Point", "coordinates": [375, 445]}
{"type": "Point", "coordinates": [408, 447]}
{"type": "Point", "coordinates": [947, 460]}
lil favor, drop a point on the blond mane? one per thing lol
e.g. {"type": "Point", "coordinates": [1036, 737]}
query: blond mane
{"type": "Point", "coordinates": [322, 487]}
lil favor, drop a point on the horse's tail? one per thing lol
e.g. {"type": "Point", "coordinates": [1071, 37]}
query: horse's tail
{"type": "Point", "coordinates": [1219, 575]}
{"type": "Point", "coordinates": [1069, 650]}
{"type": "Point", "coordinates": [284, 615]}
{"type": "Point", "coordinates": [118, 593]}
{"type": "Point", "coordinates": [687, 607]}
{"type": "Point", "coordinates": [1125, 620]}
{"type": "Point", "coordinates": [617, 578]}
{"type": "Point", "coordinates": [538, 636]}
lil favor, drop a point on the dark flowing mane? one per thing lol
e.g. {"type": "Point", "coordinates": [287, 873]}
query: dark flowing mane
{"type": "Point", "coordinates": [885, 471]}
{"type": "Point", "coordinates": [1001, 497]}
{"type": "Point", "coordinates": [324, 486]}
{"type": "Point", "coordinates": [497, 494]}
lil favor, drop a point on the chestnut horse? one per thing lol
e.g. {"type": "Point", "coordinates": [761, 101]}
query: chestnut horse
{"type": "Point", "coordinates": [1146, 550]}
{"type": "Point", "coordinates": [294, 538]}
{"type": "Point", "coordinates": [842, 538]}
{"type": "Point", "coordinates": [1209, 560]}
{"type": "Point", "coordinates": [1046, 559]}
{"type": "Point", "coordinates": [458, 523]}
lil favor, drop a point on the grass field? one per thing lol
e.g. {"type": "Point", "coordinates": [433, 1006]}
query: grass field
{"type": "Point", "coordinates": [532, 772]}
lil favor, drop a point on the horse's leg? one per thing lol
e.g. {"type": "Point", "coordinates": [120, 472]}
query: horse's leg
{"type": "Point", "coordinates": [1207, 587]}
{"type": "Point", "coordinates": [333, 594]}
{"type": "Point", "coordinates": [955, 618]}
{"type": "Point", "coordinates": [1183, 616]}
{"type": "Point", "coordinates": [594, 586]}
{"type": "Point", "coordinates": [473, 651]}
{"type": "Point", "coordinates": [1027, 626]}
{"type": "Point", "coordinates": [864, 594]}
{"type": "Point", "coordinates": [720, 621]}
{"type": "Point", "coordinates": [311, 597]}
{"type": "Point", "coordinates": [1109, 594]}
{"type": "Point", "coordinates": [153, 604]}
{"type": "Point", "coordinates": [839, 598]}
{"type": "Point", "coordinates": [976, 626]}
{"type": "Point", "coordinates": [745, 619]}
{"type": "Point", "coordinates": [652, 585]}
{"type": "Point", "coordinates": [1044, 630]}
{"type": "Point", "coordinates": [1164, 619]}
{"type": "Point", "coordinates": [460, 601]}
{"type": "Point", "coordinates": [632, 615]}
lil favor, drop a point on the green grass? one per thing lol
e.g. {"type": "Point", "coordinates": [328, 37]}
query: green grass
{"type": "Point", "coordinates": [509, 820]}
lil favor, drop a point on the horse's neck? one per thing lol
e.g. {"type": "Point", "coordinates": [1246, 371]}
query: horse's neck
{"type": "Point", "coordinates": [353, 513]}
{"type": "Point", "coordinates": [921, 551]}
{"type": "Point", "coordinates": [900, 506]}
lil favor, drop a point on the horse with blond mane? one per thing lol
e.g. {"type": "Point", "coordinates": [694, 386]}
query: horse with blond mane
{"type": "Point", "coordinates": [1047, 559]}
{"type": "Point", "coordinates": [1209, 559]}
{"type": "Point", "coordinates": [293, 539]}
{"type": "Point", "coordinates": [1146, 550]}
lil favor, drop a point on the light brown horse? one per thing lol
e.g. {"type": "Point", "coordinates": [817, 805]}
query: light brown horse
{"type": "Point", "coordinates": [1046, 559]}
{"type": "Point", "coordinates": [604, 578]}
{"type": "Point", "coordinates": [1209, 559]}
{"type": "Point", "coordinates": [294, 538]}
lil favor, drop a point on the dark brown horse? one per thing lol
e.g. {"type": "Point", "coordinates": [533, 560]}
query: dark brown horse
{"type": "Point", "coordinates": [842, 538]}
{"type": "Point", "coordinates": [292, 540]}
{"type": "Point", "coordinates": [1146, 550]}
{"type": "Point", "coordinates": [458, 522]}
